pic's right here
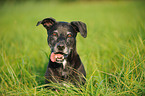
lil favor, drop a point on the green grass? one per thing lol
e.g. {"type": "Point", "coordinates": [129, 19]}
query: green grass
{"type": "Point", "coordinates": [113, 52]}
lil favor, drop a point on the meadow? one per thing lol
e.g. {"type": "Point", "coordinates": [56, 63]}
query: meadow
{"type": "Point", "coordinates": [113, 52]}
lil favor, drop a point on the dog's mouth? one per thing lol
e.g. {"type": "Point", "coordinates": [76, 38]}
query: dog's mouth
{"type": "Point", "coordinates": [58, 57]}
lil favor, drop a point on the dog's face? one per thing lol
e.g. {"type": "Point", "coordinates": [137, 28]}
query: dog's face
{"type": "Point", "coordinates": [62, 37]}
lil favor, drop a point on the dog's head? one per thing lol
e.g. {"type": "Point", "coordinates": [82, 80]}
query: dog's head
{"type": "Point", "coordinates": [62, 37]}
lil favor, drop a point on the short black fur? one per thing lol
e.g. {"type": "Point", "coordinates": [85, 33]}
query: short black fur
{"type": "Point", "coordinates": [64, 34]}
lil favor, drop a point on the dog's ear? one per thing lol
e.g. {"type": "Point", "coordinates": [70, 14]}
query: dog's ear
{"type": "Point", "coordinates": [80, 27]}
{"type": "Point", "coordinates": [47, 22]}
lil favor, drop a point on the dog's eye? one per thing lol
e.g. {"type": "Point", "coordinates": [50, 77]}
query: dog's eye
{"type": "Point", "coordinates": [69, 35]}
{"type": "Point", "coordinates": [54, 34]}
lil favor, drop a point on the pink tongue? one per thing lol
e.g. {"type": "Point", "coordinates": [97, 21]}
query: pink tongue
{"type": "Point", "coordinates": [53, 56]}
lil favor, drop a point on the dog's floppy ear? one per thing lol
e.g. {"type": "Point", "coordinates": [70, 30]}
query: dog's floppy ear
{"type": "Point", "coordinates": [47, 22]}
{"type": "Point", "coordinates": [80, 27]}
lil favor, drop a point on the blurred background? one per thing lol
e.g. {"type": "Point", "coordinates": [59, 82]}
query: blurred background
{"type": "Point", "coordinates": [113, 52]}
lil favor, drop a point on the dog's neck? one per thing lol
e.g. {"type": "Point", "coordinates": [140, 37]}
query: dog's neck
{"type": "Point", "coordinates": [67, 61]}
{"type": "Point", "coordinates": [70, 59]}
{"type": "Point", "coordinates": [64, 63]}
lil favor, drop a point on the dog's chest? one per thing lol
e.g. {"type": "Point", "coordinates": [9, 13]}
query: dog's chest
{"type": "Point", "coordinates": [65, 70]}
{"type": "Point", "coordinates": [64, 64]}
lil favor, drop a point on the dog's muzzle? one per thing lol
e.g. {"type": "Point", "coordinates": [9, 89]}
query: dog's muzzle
{"type": "Point", "coordinates": [58, 57]}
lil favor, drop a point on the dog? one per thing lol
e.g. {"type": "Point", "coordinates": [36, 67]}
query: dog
{"type": "Point", "coordinates": [64, 64]}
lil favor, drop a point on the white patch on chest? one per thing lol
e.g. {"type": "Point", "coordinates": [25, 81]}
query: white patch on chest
{"type": "Point", "coordinates": [64, 63]}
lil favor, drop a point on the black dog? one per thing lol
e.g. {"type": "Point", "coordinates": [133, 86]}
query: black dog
{"type": "Point", "coordinates": [65, 64]}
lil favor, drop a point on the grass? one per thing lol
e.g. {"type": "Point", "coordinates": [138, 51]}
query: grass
{"type": "Point", "coordinates": [113, 52]}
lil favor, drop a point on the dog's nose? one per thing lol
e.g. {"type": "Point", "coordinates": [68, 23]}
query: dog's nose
{"type": "Point", "coordinates": [60, 46]}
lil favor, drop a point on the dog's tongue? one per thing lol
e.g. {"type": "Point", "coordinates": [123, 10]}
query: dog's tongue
{"type": "Point", "coordinates": [54, 56]}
